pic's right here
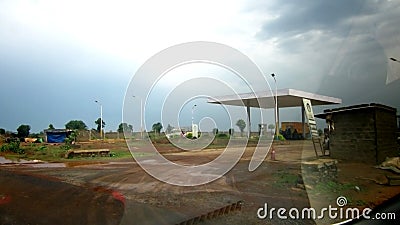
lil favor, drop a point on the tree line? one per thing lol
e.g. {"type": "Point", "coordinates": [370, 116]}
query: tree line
{"type": "Point", "coordinates": [23, 130]}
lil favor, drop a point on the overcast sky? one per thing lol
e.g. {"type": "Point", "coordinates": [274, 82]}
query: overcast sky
{"type": "Point", "coordinates": [58, 57]}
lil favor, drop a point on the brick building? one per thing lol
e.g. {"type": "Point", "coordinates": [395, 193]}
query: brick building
{"type": "Point", "coordinates": [364, 132]}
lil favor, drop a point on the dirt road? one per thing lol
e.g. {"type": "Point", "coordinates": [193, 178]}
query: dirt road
{"type": "Point", "coordinates": [120, 192]}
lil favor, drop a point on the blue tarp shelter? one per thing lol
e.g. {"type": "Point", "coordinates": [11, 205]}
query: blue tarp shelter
{"type": "Point", "coordinates": [56, 135]}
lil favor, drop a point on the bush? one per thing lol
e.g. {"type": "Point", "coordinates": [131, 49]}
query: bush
{"type": "Point", "coordinates": [189, 135]}
{"type": "Point", "coordinates": [65, 147]}
{"type": "Point", "coordinates": [13, 146]}
{"type": "Point", "coordinates": [222, 135]}
{"type": "Point", "coordinates": [281, 137]}
{"type": "Point", "coordinates": [41, 148]}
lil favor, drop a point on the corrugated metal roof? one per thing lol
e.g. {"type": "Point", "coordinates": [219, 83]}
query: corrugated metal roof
{"type": "Point", "coordinates": [353, 108]}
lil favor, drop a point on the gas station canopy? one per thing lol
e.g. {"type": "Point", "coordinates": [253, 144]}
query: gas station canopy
{"type": "Point", "coordinates": [286, 98]}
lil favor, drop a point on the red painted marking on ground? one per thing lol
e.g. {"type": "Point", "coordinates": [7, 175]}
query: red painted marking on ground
{"type": "Point", "coordinates": [118, 196]}
{"type": "Point", "coordinates": [5, 199]}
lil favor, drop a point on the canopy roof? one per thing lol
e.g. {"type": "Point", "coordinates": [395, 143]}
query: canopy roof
{"type": "Point", "coordinates": [286, 98]}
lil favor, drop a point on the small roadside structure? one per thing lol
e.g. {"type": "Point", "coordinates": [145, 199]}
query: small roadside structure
{"type": "Point", "coordinates": [87, 153]}
{"type": "Point", "coordinates": [363, 133]}
{"type": "Point", "coordinates": [56, 135]}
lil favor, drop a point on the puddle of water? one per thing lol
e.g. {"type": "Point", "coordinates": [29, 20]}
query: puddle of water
{"type": "Point", "coordinates": [33, 163]}
{"type": "Point", "coordinates": [4, 160]}
{"type": "Point", "coordinates": [122, 163]}
{"type": "Point", "coordinates": [47, 165]}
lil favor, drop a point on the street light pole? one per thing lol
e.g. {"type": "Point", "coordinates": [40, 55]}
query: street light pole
{"type": "Point", "coordinates": [276, 108]}
{"type": "Point", "coordinates": [141, 117]}
{"type": "Point", "coordinates": [101, 119]}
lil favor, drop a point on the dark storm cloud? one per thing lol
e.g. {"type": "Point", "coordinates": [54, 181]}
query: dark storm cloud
{"type": "Point", "coordinates": [57, 82]}
{"type": "Point", "coordinates": [346, 42]}
{"type": "Point", "coordinates": [325, 24]}
{"type": "Point", "coordinates": [296, 17]}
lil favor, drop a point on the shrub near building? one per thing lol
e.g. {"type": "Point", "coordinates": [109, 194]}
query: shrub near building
{"type": "Point", "coordinates": [13, 146]}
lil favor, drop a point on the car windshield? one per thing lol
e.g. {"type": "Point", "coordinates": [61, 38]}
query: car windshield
{"type": "Point", "coordinates": [199, 112]}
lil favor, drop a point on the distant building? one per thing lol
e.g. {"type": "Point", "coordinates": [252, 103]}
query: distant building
{"type": "Point", "coordinates": [364, 133]}
{"type": "Point", "coordinates": [56, 135]}
{"type": "Point", "coordinates": [298, 126]}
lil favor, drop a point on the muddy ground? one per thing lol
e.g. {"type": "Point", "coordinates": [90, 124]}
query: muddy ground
{"type": "Point", "coordinates": [121, 192]}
